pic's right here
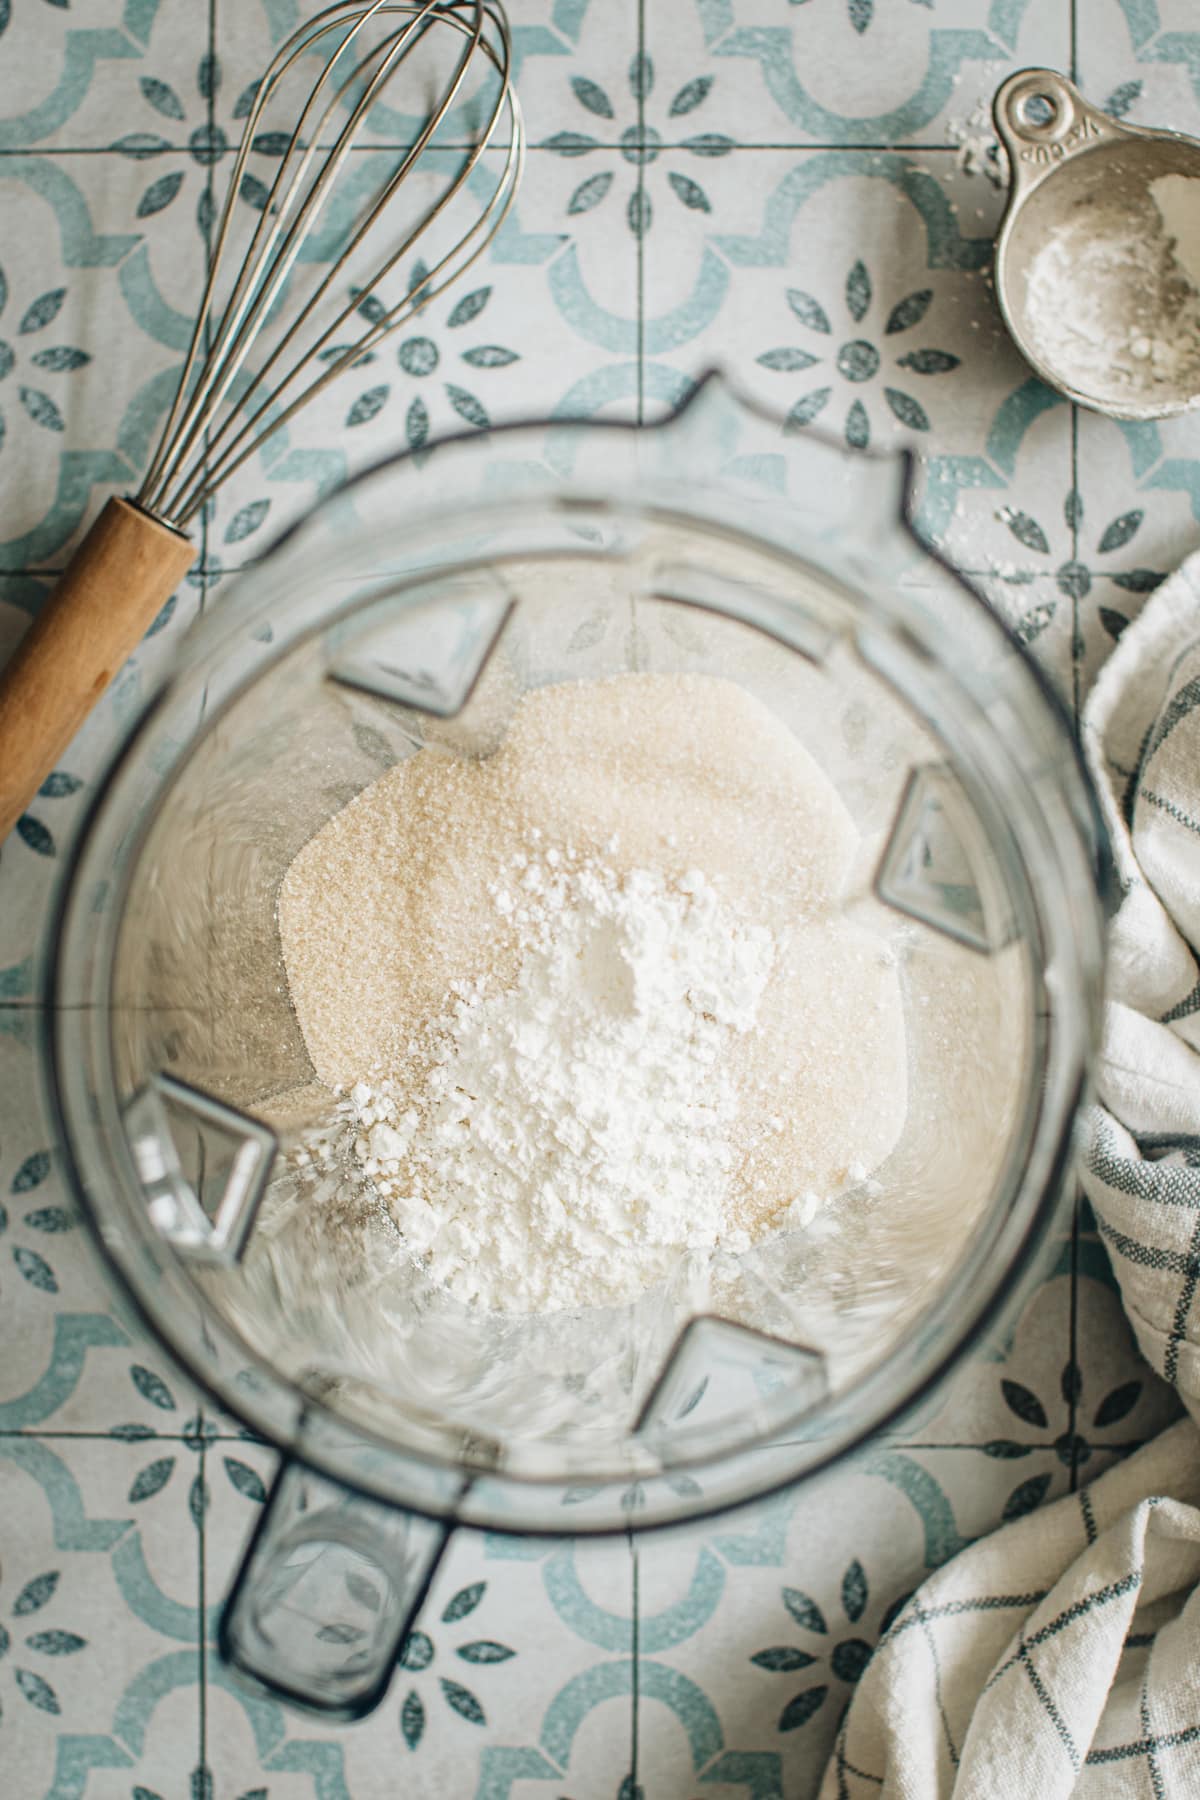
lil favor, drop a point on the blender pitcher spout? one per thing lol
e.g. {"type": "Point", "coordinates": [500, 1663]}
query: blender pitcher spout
{"type": "Point", "coordinates": [327, 1593]}
{"type": "Point", "coordinates": [802, 486]}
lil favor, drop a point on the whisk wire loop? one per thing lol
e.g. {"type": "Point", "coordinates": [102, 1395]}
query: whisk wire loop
{"type": "Point", "coordinates": [198, 449]}
{"type": "Point", "coordinates": [301, 40]}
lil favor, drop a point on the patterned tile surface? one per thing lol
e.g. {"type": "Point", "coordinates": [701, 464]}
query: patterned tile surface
{"type": "Point", "coordinates": [765, 185]}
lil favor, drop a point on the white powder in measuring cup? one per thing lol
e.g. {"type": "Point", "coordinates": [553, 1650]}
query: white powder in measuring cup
{"type": "Point", "coordinates": [592, 1001]}
{"type": "Point", "coordinates": [1113, 296]}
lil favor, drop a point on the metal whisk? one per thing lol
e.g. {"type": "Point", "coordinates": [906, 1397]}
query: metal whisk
{"type": "Point", "coordinates": [228, 402]}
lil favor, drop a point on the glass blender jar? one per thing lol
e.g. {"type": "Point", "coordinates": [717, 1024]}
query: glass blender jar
{"type": "Point", "coordinates": [414, 608]}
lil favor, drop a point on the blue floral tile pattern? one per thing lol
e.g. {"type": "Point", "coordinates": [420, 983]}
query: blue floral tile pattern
{"type": "Point", "coordinates": [768, 185]}
{"type": "Point", "coordinates": [37, 362]}
{"type": "Point", "coordinates": [867, 72]}
{"type": "Point", "coordinates": [838, 1654]}
{"type": "Point", "coordinates": [420, 1652]}
{"type": "Point", "coordinates": [859, 360]}
{"type": "Point", "coordinates": [640, 142]}
{"type": "Point", "coordinates": [15, 1637]}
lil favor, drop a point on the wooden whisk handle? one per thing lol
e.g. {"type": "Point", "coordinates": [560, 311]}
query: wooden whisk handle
{"type": "Point", "coordinates": [112, 591]}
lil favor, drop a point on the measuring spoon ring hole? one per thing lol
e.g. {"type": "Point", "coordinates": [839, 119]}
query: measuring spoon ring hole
{"type": "Point", "coordinates": [1040, 109]}
{"type": "Point", "coordinates": [1037, 111]}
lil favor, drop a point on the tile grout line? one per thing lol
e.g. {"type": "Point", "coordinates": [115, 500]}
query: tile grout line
{"type": "Point", "coordinates": [209, 188]}
{"type": "Point", "coordinates": [103, 1437]}
{"type": "Point", "coordinates": [237, 568]}
{"type": "Point", "coordinates": [118, 1440]}
{"type": "Point", "coordinates": [202, 1631]}
{"type": "Point", "coordinates": [202, 1595]}
{"type": "Point", "coordinates": [1073, 35]}
{"type": "Point", "coordinates": [634, 1677]}
{"type": "Point", "coordinates": [1073, 31]}
{"type": "Point", "coordinates": [1124, 1446]}
{"type": "Point", "coordinates": [641, 415]}
{"type": "Point", "coordinates": [641, 204]}
{"type": "Point", "coordinates": [680, 148]}
{"type": "Point", "coordinates": [1076, 642]}
{"type": "Point", "coordinates": [1073, 1345]}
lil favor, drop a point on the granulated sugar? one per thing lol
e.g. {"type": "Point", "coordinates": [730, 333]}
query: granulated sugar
{"type": "Point", "coordinates": [592, 1000]}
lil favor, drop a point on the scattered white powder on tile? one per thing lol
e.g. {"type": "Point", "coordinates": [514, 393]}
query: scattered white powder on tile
{"type": "Point", "coordinates": [1113, 300]}
{"type": "Point", "coordinates": [980, 151]}
{"type": "Point", "coordinates": [592, 1002]}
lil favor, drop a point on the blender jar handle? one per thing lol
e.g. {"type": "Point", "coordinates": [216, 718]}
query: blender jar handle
{"type": "Point", "coordinates": [327, 1592]}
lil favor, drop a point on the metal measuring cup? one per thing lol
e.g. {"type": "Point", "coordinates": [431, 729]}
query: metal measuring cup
{"type": "Point", "coordinates": [1080, 179]}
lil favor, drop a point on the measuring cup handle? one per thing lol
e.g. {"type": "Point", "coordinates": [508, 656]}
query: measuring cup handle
{"type": "Point", "coordinates": [1042, 119]}
{"type": "Point", "coordinates": [327, 1592]}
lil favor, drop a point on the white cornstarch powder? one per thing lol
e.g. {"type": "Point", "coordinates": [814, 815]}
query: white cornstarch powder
{"type": "Point", "coordinates": [591, 1003]}
{"type": "Point", "coordinates": [574, 1133]}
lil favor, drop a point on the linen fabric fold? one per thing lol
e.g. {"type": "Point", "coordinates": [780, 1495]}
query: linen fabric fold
{"type": "Point", "coordinates": [1061, 1655]}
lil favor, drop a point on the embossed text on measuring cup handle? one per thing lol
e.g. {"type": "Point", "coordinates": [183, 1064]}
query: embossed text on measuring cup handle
{"type": "Point", "coordinates": [1042, 119]}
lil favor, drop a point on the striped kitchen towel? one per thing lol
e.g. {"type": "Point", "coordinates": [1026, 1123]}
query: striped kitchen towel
{"type": "Point", "coordinates": [1061, 1655]}
{"type": "Point", "coordinates": [1141, 1149]}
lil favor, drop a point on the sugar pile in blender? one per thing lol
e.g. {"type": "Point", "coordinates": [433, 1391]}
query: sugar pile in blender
{"type": "Point", "coordinates": [592, 1003]}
